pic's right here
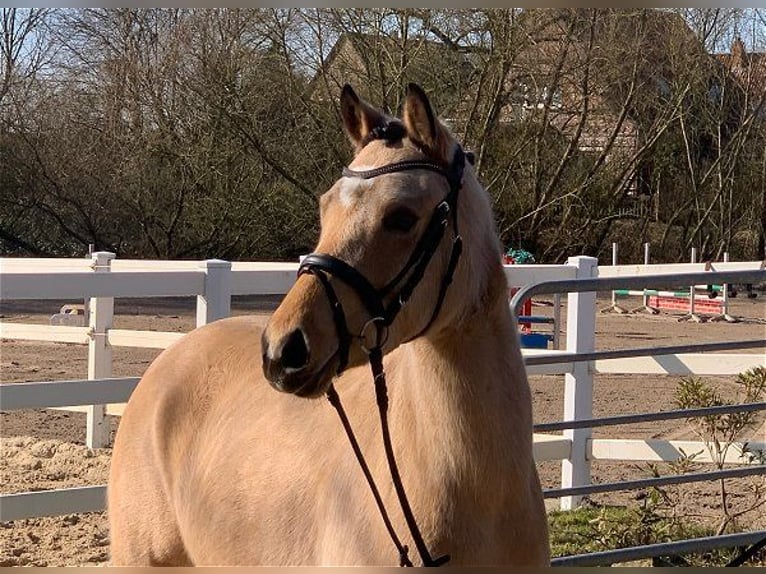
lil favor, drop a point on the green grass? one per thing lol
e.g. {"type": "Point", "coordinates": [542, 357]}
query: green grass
{"type": "Point", "coordinates": [595, 529]}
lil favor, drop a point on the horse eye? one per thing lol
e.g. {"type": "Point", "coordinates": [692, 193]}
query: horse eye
{"type": "Point", "coordinates": [400, 220]}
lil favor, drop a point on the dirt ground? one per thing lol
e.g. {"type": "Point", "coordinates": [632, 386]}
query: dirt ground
{"type": "Point", "coordinates": [44, 449]}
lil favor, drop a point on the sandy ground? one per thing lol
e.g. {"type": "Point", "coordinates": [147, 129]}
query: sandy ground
{"type": "Point", "coordinates": [45, 449]}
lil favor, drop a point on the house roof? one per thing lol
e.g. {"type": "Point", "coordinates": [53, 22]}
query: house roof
{"type": "Point", "coordinates": [655, 45]}
{"type": "Point", "coordinates": [366, 59]}
{"type": "Point", "coordinates": [614, 36]}
{"type": "Point", "coordinates": [748, 67]}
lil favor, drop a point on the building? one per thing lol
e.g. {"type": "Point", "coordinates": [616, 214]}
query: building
{"type": "Point", "coordinates": [610, 81]}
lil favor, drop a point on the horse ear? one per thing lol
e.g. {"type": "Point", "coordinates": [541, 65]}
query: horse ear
{"type": "Point", "coordinates": [422, 125]}
{"type": "Point", "coordinates": [359, 117]}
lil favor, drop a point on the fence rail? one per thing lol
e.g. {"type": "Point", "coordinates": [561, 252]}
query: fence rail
{"type": "Point", "coordinates": [645, 351]}
{"type": "Point", "coordinates": [592, 284]}
{"type": "Point", "coordinates": [52, 502]}
{"type": "Point", "coordinates": [79, 284]}
{"type": "Point", "coordinates": [701, 544]}
{"type": "Point", "coordinates": [756, 470]}
{"type": "Point", "coordinates": [649, 417]}
{"type": "Point", "coordinates": [50, 394]}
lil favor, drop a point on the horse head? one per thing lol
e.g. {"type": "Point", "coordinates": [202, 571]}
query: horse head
{"type": "Point", "coordinates": [390, 245]}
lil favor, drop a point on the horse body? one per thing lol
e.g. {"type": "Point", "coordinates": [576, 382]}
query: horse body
{"type": "Point", "coordinates": [212, 466]}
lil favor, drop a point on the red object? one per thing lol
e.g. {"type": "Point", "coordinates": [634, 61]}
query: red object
{"type": "Point", "coordinates": [682, 304]}
{"type": "Point", "coordinates": [526, 310]}
{"type": "Point", "coordinates": [526, 306]}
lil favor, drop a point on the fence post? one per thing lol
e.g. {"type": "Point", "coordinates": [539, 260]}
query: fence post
{"type": "Point", "coordinates": [725, 293]}
{"type": "Point", "coordinates": [215, 302]}
{"type": "Point", "coordinates": [578, 385]}
{"type": "Point", "coordinates": [645, 296]}
{"type": "Point", "coordinates": [100, 316]}
{"type": "Point", "coordinates": [724, 314]}
{"type": "Point", "coordinates": [614, 305]}
{"type": "Point", "coordinates": [692, 314]}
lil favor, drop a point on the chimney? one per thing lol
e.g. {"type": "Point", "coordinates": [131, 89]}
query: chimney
{"type": "Point", "coordinates": [738, 53]}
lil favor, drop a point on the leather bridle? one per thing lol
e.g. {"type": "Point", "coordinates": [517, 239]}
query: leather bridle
{"type": "Point", "coordinates": [326, 267]}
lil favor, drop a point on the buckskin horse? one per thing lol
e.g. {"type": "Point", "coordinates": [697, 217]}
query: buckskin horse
{"type": "Point", "coordinates": [426, 460]}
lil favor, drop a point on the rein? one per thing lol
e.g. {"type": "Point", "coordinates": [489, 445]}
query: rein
{"type": "Point", "coordinates": [382, 315]}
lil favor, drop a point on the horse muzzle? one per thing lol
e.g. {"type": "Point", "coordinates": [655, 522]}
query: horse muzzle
{"type": "Point", "coordinates": [286, 365]}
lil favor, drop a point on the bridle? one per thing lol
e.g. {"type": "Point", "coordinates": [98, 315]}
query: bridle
{"type": "Point", "coordinates": [382, 315]}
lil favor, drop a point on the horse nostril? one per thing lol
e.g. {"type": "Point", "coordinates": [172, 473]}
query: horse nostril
{"type": "Point", "coordinates": [295, 352]}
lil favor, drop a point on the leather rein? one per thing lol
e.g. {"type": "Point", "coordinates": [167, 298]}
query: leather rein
{"type": "Point", "coordinates": [327, 267]}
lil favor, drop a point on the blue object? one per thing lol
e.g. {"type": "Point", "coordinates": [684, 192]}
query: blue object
{"type": "Point", "coordinates": [534, 340]}
{"type": "Point", "coordinates": [519, 256]}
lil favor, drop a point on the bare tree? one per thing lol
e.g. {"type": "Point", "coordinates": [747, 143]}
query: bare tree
{"type": "Point", "coordinates": [196, 132]}
{"type": "Point", "coordinates": [24, 50]}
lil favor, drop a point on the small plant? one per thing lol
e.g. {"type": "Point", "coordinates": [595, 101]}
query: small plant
{"type": "Point", "coordinates": [595, 528]}
{"type": "Point", "coordinates": [657, 517]}
{"type": "Point", "coordinates": [720, 434]}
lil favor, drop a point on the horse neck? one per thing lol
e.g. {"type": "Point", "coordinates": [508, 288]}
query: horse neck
{"type": "Point", "coordinates": [461, 397]}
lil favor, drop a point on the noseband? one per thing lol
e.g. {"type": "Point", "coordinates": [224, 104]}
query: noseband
{"type": "Point", "coordinates": [398, 291]}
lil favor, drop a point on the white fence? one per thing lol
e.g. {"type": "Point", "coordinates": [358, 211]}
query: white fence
{"type": "Point", "coordinates": [213, 282]}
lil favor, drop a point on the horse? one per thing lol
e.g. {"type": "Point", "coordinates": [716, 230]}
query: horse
{"type": "Point", "coordinates": [226, 453]}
